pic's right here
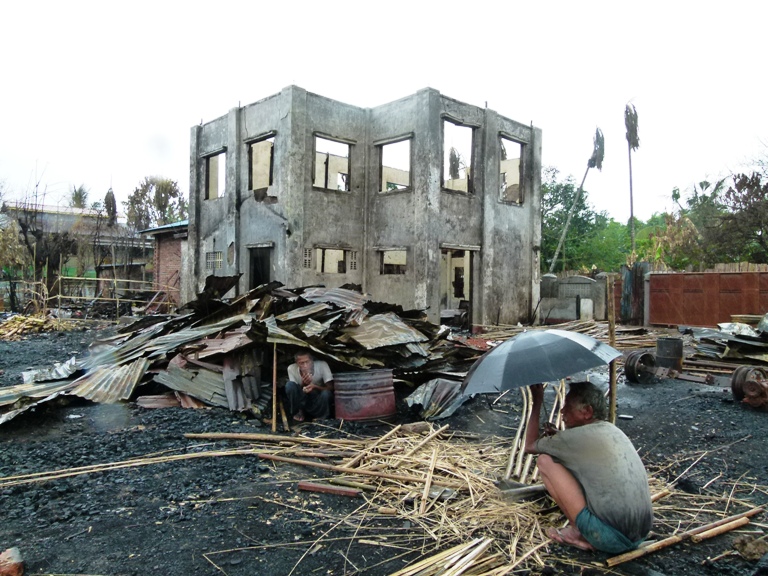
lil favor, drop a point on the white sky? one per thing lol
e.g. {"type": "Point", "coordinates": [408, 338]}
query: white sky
{"type": "Point", "coordinates": [104, 94]}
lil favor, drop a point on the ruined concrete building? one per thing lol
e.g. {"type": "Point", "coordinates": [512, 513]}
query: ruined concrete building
{"type": "Point", "coordinates": [427, 202]}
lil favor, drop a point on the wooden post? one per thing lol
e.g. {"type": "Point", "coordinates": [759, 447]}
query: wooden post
{"type": "Point", "coordinates": [612, 341]}
{"type": "Point", "coordinates": [274, 387]}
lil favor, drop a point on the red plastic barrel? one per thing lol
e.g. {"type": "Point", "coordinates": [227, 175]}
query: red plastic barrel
{"type": "Point", "coordinates": [368, 395]}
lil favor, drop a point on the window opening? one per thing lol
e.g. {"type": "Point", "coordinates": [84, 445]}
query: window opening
{"type": "Point", "coordinates": [215, 171]}
{"type": "Point", "coordinates": [511, 170]}
{"type": "Point", "coordinates": [261, 160]}
{"type": "Point", "coordinates": [331, 164]}
{"type": "Point", "coordinates": [213, 260]}
{"type": "Point", "coordinates": [457, 156]}
{"type": "Point", "coordinates": [393, 262]}
{"type": "Point", "coordinates": [395, 166]}
{"type": "Point", "coordinates": [335, 260]}
{"type": "Point", "coordinates": [307, 258]}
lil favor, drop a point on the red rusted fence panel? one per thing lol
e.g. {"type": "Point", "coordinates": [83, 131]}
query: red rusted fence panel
{"type": "Point", "coordinates": [705, 299]}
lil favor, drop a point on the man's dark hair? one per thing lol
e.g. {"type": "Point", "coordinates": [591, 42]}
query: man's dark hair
{"type": "Point", "coordinates": [587, 394]}
{"type": "Point", "coordinates": [303, 352]}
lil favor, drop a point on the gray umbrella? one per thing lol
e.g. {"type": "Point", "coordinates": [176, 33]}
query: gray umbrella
{"type": "Point", "coordinates": [533, 357]}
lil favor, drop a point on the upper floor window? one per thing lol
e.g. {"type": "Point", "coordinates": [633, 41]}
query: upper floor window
{"type": "Point", "coordinates": [331, 165]}
{"type": "Point", "coordinates": [395, 166]}
{"type": "Point", "coordinates": [215, 175]}
{"type": "Point", "coordinates": [511, 170]}
{"type": "Point", "coordinates": [457, 156]}
{"type": "Point", "coordinates": [261, 163]}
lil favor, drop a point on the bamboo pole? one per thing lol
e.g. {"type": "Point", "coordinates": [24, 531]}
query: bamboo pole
{"type": "Point", "coordinates": [274, 388]}
{"type": "Point", "coordinates": [640, 552]}
{"type": "Point", "coordinates": [612, 402]}
{"type": "Point", "coordinates": [518, 435]}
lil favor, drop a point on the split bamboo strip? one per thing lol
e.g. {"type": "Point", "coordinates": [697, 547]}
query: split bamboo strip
{"type": "Point", "coordinates": [428, 482]}
{"type": "Point", "coordinates": [364, 472]}
{"type": "Point", "coordinates": [378, 441]}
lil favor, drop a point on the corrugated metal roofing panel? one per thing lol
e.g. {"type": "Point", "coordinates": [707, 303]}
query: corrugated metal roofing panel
{"type": "Point", "coordinates": [12, 394]}
{"type": "Point", "coordinates": [110, 384]}
{"type": "Point", "coordinates": [303, 311]}
{"type": "Point", "coordinates": [339, 296]}
{"type": "Point", "coordinates": [203, 384]}
{"type": "Point", "coordinates": [384, 330]}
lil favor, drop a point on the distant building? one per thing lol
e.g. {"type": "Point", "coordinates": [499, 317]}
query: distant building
{"type": "Point", "coordinates": [426, 202]}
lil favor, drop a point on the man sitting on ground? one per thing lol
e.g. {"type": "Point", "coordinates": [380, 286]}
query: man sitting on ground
{"type": "Point", "coordinates": [593, 473]}
{"type": "Point", "coordinates": [309, 389]}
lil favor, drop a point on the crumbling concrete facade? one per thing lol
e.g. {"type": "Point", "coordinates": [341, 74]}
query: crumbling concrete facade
{"type": "Point", "coordinates": [426, 202]}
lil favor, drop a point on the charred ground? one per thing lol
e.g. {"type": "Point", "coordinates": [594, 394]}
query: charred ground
{"type": "Point", "coordinates": [239, 515]}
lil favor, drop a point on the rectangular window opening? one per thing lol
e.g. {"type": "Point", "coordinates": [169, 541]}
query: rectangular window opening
{"type": "Point", "coordinates": [334, 260]}
{"type": "Point", "coordinates": [395, 166]}
{"type": "Point", "coordinates": [215, 176]}
{"type": "Point", "coordinates": [331, 170]}
{"type": "Point", "coordinates": [511, 170]}
{"type": "Point", "coordinates": [213, 260]}
{"type": "Point", "coordinates": [457, 156]}
{"type": "Point", "coordinates": [393, 261]}
{"type": "Point", "coordinates": [261, 163]}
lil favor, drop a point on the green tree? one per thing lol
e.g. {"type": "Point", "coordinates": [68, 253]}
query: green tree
{"type": "Point", "coordinates": [746, 220]}
{"type": "Point", "coordinates": [633, 143]}
{"type": "Point", "coordinates": [155, 202]}
{"type": "Point", "coordinates": [590, 233]}
{"type": "Point", "coordinates": [79, 197]}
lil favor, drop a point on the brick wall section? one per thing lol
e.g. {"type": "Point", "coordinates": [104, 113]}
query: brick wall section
{"type": "Point", "coordinates": [168, 265]}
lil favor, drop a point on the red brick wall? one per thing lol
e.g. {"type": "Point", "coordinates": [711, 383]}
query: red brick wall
{"type": "Point", "coordinates": [168, 265]}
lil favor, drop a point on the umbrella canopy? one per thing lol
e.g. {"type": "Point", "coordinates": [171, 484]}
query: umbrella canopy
{"type": "Point", "coordinates": [533, 357]}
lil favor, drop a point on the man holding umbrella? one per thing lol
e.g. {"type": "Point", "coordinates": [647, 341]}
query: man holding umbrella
{"type": "Point", "coordinates": [593, 473]}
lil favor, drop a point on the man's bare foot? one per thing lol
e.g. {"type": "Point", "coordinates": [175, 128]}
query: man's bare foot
{"type": "Point", "coordinates": [570, 536]}
{"type": "Point", "coordinates": [299, 416]}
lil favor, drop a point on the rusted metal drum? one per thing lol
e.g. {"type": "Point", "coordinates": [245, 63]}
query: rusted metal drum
{"type": "Point", "coordinates": [750, 385]}
{"type": "Point", "coordinates": [640, 367]}
{"type": "Point", "coordinates": [669, 353]}
{"type": "Point", "coordinates": [368, 395]}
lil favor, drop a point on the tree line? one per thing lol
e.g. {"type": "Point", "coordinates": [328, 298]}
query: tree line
{"type": "Point", "coordinates": [713, 222]}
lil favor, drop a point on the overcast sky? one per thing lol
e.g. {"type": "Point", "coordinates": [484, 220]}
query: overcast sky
{"type": "Point", "coordinates": [104, 94]}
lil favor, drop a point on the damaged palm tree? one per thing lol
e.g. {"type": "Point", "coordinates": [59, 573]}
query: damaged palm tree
{"type": "Point", "coordinates": [633, 143]}
{"type": "Point", "coordinates": [595, 161]}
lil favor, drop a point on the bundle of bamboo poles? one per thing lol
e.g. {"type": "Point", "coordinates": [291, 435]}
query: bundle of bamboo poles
{"type": "Point", "coordinates": [627, 337]}
{"type": "Point", "coordinates": [16, 327]}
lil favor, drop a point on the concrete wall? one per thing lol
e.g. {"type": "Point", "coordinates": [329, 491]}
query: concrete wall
{"type": "Point", "coordinates": [559, 299]}
{"type": "Point", "coordinates": [294, 218]}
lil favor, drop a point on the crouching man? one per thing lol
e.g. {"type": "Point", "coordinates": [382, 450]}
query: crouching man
{"type": "Point", "coordinates": [593, 473]}
{"type": "Point", "coordinates": [309, 389]}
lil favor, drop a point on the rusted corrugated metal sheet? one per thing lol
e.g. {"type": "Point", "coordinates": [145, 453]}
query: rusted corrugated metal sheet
{"type": "Point", "coordinates": [707, 298]}
{"type": "Point", "coordinates": [303, 311]}
{"type": "Point", "coordinates": [205, 385]}
{"type": "Point", "coordinates": [109, 384]}
{"type": "Point", "coordinates": [339, 296]}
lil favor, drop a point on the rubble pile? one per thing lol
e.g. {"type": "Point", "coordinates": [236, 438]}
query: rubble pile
{"type": "Point", "coordinates": [18, 326]}
{"type": "Point", "coordinates": [229, 353]}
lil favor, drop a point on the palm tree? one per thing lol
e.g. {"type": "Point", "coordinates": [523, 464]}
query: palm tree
{"type": "Point", "coordinates": [633, 143]}
{"type": "Point", "coordinates": [595, 161]}
{"type": "Point", "coordinates": [79, 197]}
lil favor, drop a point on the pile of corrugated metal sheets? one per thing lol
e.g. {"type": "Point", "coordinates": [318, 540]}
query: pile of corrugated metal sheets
{"type": "Point", "coordinates": [221, 352]}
